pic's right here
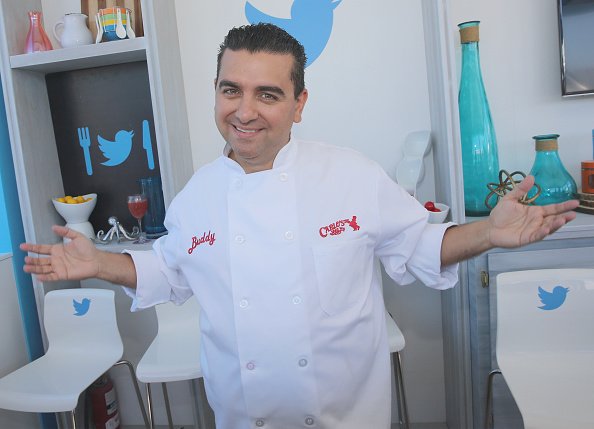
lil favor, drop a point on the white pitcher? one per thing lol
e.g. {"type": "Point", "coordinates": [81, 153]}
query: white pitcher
{"type": "Point", "coordinates": [72, 30]}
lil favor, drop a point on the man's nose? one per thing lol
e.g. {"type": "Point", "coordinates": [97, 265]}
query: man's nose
{"type": "Point", "coordinates": [246, 110]}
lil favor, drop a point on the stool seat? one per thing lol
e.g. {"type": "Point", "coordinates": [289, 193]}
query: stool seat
{"type": "Point", "coordinates": [83, 343]}
{"type": "Point", "coordinates": [174, 354]}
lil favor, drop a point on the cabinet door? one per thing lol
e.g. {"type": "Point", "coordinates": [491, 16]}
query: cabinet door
{"type": "Point", "coordinates": [506, 413]}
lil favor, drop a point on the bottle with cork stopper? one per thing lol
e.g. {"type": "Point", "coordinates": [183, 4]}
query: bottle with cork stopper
{"type": "Point", "coordinates": [480, 160]}
{"type": "Point", "coordinates": [555, 182]}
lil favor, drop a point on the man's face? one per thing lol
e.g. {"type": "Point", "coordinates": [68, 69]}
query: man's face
{"type": "Point", "coordinates": [255, 106]}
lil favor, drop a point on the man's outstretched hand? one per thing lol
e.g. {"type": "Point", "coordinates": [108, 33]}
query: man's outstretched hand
{"type": "Point", "coordinates": [510, 224]}
{"type": "Point", "coordinates": [513, 224]}
{"type": "Point", "coordinates": [75, 260]}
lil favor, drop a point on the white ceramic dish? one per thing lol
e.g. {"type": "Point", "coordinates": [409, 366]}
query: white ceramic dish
{"type": "Point", "coordinates": [439, 217]}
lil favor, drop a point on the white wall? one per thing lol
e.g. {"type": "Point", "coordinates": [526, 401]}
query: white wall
{"type": "Point", "coordinates": [13, 353]}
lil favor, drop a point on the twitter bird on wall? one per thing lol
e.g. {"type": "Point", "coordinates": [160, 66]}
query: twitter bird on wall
{"type": "Point", "coordinates": [310, 23]}
{"type": "Point", "coordinates": [81, 308]}
{"type": "Point", "coordinates": [552, 300]}
{"type": "Point", "coordinates": [116, 151]}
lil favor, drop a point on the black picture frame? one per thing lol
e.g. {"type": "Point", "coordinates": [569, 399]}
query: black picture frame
{"type": "Point", "coordinates": [576, 47]}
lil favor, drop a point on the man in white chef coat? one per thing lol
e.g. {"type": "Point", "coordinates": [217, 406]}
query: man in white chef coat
{"type": "Point", "coordinates": [277, 238]}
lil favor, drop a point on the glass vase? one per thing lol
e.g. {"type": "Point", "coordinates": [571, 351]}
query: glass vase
{"type": "Point", "coordinates": [556, 184]}
{"type": "Point", "coordinates": [37, 39]}
{"type": "Point", "coordinates": [480, 160]}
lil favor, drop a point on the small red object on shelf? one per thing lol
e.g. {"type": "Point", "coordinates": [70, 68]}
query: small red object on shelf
{"type": "Point", "coordinates": [430, 205]}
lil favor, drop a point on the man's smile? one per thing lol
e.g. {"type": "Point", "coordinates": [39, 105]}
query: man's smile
{"type": "Point", "coordinates": [246, 130]}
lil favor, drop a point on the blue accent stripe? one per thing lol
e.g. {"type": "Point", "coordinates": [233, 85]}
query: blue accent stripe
{"type": "Point", "coordinates": [25, 293]}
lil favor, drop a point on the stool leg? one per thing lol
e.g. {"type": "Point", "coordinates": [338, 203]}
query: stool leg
{"type": "Point", "coordinates": [489, 405]}
{"type": "Point", "coordinates": [167, 407]}
{"type": "Point", "coordinates": [137, 389]}
{"type": "Point", "coordinates": [400, 394]}
{"type": "Point", "coordinates": [73, 419]}
{"type": "Point", "coordinates": [149, 401]}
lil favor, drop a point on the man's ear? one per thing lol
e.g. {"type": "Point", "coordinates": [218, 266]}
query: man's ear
{"type": "Point", "coordinates": [301, 100]}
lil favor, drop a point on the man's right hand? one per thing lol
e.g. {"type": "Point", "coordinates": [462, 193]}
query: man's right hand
{"type": "Point", "coordinates": [76, 260]}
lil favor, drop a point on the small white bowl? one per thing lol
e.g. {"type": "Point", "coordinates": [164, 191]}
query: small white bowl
{"type": "Point", "coordinates": [76, 213]}
{"type": "Point", "coordinates": [439, 217]}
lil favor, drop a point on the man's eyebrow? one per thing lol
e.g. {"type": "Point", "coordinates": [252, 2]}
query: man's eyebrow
{"type": "Point", "coordinates": [264, 88]}
{"type": "Point", "coordinates": [273, 89]}
{"type": "Point", "coordinates": [224, 82]}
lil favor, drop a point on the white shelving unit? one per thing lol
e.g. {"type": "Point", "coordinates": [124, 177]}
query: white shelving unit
{"type": "Point", "coordinates": [30, 125]}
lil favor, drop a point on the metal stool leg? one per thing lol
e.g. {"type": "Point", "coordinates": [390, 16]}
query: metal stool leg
{"type": "Point", "coordinates": [149, 401]}
{"type": "Point", "coordinates": [489, 405]}
{"type": "Point", "coordinates": [400, 394]}
{"type": "Point", "coordinates": [73, 419]}
{"type": "Point", "coordinates": [167, 407]}
{"type": "Point", "coordinates": [137, 389]}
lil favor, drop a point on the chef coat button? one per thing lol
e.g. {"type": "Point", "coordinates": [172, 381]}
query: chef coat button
{"type": "Point", "coordinates": [283, 177]}
{"type": "Point", "coordinates": [296, 299]}
{"type": "Point", "coordinates": [309, 421]}
{"type": "Point", "coordinates": [238, 183]}
{"type": "Point", "coordinates": [289, 235]}
{"type": "Point", "coordinates": [302, 362]}
{"type": "Point", "coordinates": [251, 366]}
{"type": "Point", "coordinates": [239, 239]}
{"type": "Point", "coordinates": [243, 303]}
{"type": "Point", "coordinates": [260, 423]}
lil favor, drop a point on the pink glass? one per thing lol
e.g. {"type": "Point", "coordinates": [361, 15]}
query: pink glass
{"type": "Point", "coordinates": [37, 39]}
{"type": "Point", "coordinates": [138, 205]}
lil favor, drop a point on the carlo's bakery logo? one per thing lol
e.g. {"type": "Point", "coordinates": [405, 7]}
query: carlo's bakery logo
{"type": "Point", "coordinates": [115, 150]}
{"type": "Point", "coordinates": [554, 299]}
{"type": "Point", "coordinates": [338, 227]}
{"type": "Point", "coordinates": [206, 238]}
{"type": "Point", "coordinates": [310, 23]}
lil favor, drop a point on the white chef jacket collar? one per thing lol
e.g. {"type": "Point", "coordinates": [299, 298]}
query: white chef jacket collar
{"type": "Point", "coordinates": [283, 158]}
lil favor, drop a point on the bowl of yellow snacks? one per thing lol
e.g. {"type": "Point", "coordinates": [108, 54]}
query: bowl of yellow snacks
{"type": "Point", "coordinates": [76, 211]}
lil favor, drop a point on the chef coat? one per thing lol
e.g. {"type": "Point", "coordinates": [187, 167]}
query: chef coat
{"type": "Point", "coordinates": [282, 263]}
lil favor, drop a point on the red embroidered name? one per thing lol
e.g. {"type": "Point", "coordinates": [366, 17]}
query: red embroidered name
{"type": "Point", "coordinates": [339, 227]}
{"type": "Point", "coordinates": [206, 238]}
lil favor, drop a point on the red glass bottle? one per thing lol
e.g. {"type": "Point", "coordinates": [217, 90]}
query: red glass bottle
{"type": "Point", "coordinates": [37, 39]}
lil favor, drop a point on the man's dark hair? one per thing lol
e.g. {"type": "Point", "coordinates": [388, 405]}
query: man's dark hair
{"type": "Point", "coordinates": [267, 38]}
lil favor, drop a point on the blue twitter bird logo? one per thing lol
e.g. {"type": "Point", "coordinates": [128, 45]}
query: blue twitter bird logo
{"type": "Point", "coordinates": [81, 308]}
{"type": "Point", "coordinates": [310, 23]}
{"type": "Point", "coordinates": [552, 300]}
{"type": "Point", "coordinates": [116, 151]}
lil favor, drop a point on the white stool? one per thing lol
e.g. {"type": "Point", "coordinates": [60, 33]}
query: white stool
{"type": "Point", "coordinates": [83, 343]}
{"type": "Point", "coordinates": [545, 346]}
{"type": "Point", "coordinates": [174, 354]}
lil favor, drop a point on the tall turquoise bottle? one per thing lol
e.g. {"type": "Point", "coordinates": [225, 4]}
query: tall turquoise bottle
{"type": "Point", "coordinates": [480, 161]}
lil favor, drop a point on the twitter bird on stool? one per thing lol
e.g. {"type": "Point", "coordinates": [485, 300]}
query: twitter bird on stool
{"type": "Point", "coordinates": [552, 300]}
{"type": "Point", "coordinates": [81, 308]}
{"type": "Point", "coordinates": [116, 151]}
{"type": "Point", "coordinates": [310, 23]}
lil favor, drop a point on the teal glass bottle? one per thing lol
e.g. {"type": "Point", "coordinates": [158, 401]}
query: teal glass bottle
{"type": "Point", "coordinates": [480, 160]}
{"type": "Point", "coordinates": [556, 184]}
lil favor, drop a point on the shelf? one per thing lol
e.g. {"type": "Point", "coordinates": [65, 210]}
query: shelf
{"type": "Point", "coordinates": [115, 247]}
{"type": "Point", "coordinates": [82, 57]}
